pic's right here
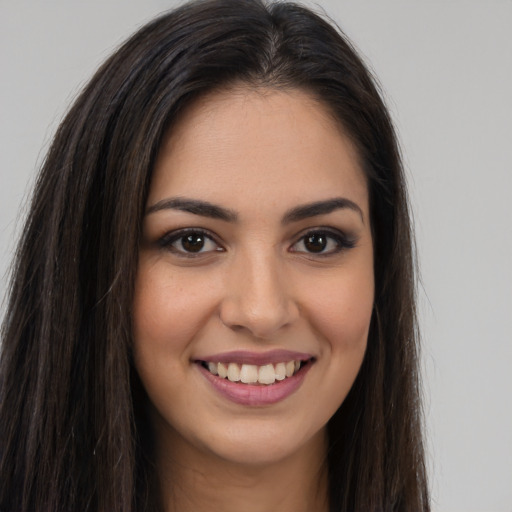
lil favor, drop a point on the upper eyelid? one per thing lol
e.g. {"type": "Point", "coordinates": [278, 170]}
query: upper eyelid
{"type": "Point", "coordinates": [343, 239]}
{"type": "Point", "coordinates": [176, 234]}
{"type": "Point", "coordinates": [180, 231]}
{"type": "Point", "coordinates": [334, 232]}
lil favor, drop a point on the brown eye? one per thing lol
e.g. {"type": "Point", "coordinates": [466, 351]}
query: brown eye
{"type": "Point", "coordinates": [189, 242]}
{"type": "Point", "coordinates": [323, 243]}
{"type": "Point", "coordinates": [316, 242]}
{"type": "Point", "coordinates": [193, 242]}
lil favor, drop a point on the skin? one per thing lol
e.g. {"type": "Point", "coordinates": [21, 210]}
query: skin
{"type": "Point", "coordinates": [255, 286]}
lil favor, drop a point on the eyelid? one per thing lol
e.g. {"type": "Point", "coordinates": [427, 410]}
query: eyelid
{"type": "Point", "coordinates": [166, 241]}
{"type": "Point", "coordinates": [343, 240]}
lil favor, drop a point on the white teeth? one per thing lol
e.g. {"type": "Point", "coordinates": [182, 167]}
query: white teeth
{"type": "Point", "coordinates": [233, 372]}
{"type": "Point", "coordinates": [252, 374]}
{"type": "Point", "coordinates": [267, 374]}
{"type": "Point", "coordinates": [280, 371]}
{"type": "Point", "coordinates": [249, 373]}
{"type": "Point", "coordinates": [222, 370]}
{"type": "Point", "coordinates": [213, 368]}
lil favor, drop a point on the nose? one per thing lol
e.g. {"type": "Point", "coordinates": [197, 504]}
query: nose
{"type": "Point", "coordinates": [258, 297]}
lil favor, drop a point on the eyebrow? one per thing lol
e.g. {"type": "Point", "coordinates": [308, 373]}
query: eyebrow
{"type": "Point", "coordinates": [195, 206]}
{"type": "Point", "coordinates": [321, 208]}
{"type": "Point", "coordinates": [207, 209]}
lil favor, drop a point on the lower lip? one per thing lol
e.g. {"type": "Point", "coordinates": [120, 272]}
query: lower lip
{"type": "Point", "coordinates": [247, 394]}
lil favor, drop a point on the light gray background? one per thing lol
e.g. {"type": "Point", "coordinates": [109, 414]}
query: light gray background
{"type": "Point", "coordinates": [446, 67]}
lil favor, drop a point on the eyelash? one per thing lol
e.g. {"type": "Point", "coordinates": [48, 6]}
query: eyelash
{"type": "Point", "coordinates": [342, 241]}
{"type": "Point", "coordinates": [167, 241]}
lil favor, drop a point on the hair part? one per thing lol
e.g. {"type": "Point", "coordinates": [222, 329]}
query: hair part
{"type": "Point", "coordinates": [73, 428]}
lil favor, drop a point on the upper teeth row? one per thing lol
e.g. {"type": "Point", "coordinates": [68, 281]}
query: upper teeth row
{"type": "Point", "coordinates": [251, 373]}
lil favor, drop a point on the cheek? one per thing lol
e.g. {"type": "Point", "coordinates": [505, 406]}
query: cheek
{"type": "Point", "coordinates": [339, 312]}
{"type": "Point", "coordinates": [342, 311]}
{"type": "Point", "coordinates": [168, 309]}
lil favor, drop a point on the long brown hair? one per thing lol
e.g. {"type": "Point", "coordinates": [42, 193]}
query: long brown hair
{"type": "Point", "coordinates": [72, 432]}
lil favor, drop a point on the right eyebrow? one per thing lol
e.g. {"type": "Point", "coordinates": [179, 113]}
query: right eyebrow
{"type": "Point", "coordinates": [194, 206]}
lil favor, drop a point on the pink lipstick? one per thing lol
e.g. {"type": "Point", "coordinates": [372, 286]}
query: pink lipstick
{"type": "Point", "coordinates": [256, 379]}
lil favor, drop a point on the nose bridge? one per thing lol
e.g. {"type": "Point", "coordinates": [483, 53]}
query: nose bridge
{"type": "Point", "coordinates": [258, 296]}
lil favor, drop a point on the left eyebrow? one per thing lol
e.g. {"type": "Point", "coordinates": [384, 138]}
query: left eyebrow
{"type": "Point", "coordinates": [320, 208]}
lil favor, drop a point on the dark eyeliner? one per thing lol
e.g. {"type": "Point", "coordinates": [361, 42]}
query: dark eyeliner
{"type": "Point", "coordinates": [342, 240]}
{"type": "Point", "coordinates": [166, 241]}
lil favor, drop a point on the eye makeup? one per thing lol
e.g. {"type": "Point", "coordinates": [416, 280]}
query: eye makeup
{"type": "Point", "coordinates": [195, 242]}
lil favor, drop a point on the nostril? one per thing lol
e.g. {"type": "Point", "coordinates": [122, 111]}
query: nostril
{"type": "Point", "coordinates": [262, 318]}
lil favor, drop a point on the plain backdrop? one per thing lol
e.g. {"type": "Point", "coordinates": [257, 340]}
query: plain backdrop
{"type": "Point", "coordinates": [446, 69]}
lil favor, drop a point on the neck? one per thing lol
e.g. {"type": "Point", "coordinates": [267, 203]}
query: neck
{"type": "Point", "coordinates": [192, 481]}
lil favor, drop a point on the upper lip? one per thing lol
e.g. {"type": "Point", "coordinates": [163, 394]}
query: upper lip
{"type": "Point", "coordinates": [256, 358]}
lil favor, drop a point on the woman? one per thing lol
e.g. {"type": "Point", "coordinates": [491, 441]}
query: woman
{"type": "Point", "coordinates": [212, 306]}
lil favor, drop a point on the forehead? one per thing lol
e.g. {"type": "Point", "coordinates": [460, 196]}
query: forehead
{"type": "Point", "coordinates": [249, 147]}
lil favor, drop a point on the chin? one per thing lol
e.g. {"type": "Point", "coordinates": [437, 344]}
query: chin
{"type": "Point", "coordinates": [261, 443]}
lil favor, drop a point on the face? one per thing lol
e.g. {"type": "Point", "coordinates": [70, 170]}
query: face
{"type": "Point", "coordinates": [255, 282]}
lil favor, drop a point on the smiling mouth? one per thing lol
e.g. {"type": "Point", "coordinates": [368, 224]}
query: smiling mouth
{"type": "Point", "coordinates": [255, 374]}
